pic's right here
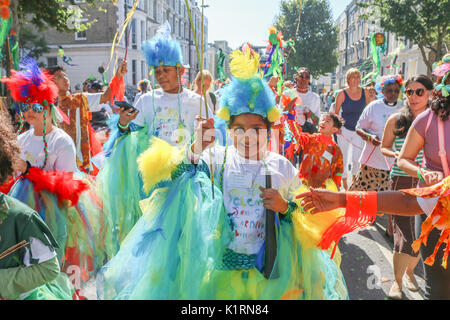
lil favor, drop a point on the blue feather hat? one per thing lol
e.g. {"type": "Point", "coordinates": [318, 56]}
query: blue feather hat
{"type": "Point", "coordinates": [247, 92]}
{"type": "Point", "coordinates": [162, 50]}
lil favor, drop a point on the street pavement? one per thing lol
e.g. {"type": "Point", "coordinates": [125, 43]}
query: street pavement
{"type": "Point", "coordinates": [367, 264]}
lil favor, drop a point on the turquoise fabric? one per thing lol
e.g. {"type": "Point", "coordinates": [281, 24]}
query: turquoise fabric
{"type": "Point", "coordinates": [174, 245]}
{"type": "Point", "coordinates": [119, 185]}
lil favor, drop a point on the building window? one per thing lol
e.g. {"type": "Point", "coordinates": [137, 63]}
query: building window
{"type": "Point", "coordinates": [80, 35]}
{"type": "Point", "coordinates": [143, 74]}
{"type": "Point", "coordinates": [143, 31]}
{"type": "Point", "coordinates": [155, 8]}
{"type": "Point", "coordinates": [133, 71]}
{"type": "Point", "coordinates": [52, 61]}
{"type": "Point", "coordinates": [133, 34]}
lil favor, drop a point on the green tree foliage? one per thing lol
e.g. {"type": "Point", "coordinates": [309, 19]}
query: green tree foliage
{"type": "Point", "coordinates": [425, 22]}
{"type": "Point", "coordinates": [32, 44]}
{"type": "Point", "coordinates": [317, 38]}
{"type": "Point", "coordinates": [57, 14]}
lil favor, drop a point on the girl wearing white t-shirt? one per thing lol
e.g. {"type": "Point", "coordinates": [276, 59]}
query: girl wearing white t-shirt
{"type": "Point", "coordinates": [47, 182]}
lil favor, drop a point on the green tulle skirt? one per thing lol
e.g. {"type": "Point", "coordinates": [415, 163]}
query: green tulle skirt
{"type": "Point", "coordinates": [81, 230]}
{"type": "Point", "coordinates": [119, 185]}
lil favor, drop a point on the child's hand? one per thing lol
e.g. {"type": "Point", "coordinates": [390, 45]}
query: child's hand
{"type": "Point", "coordinates": [273, 200]}
{"type": "Point", "coordinates": [205, 134]}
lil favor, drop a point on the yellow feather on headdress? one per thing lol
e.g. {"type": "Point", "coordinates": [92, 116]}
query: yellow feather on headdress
{"type": "Point", "coordinates": [244, 65]}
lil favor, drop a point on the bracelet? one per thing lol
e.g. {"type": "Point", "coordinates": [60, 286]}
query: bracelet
{"type": "Point", "coordinates": [369, 137]}
{"type": "Point", "coordinates": [291, 207]}
{"type": "Point", "coordinates": [122, 127]}
{"type": "Point", "coordinates": [419, 175]}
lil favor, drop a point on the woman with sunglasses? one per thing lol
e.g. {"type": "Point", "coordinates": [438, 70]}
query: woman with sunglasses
{"type": "Point", "coordinates": [29, 269]}
{"type": "Point", "coordinates": [49, 182]}
{"type": "Point", "coordinates": [430, 131]}
{"type": "Point", "coordinates": [397, 126]}
{"type": "Point", "coordinates": [351, 101]}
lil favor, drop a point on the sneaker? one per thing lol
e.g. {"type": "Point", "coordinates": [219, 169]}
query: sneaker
{"type": "Point", "coordinates": [395, 292]}
{"type": "Point", "coordinates": [411, 283]}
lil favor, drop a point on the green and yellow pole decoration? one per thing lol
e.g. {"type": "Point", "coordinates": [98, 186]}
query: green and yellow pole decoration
{"type": "Point", "coordinates": [200, 59]}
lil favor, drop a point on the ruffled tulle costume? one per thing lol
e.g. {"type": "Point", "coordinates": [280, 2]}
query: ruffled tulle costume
{"type": "Point", "coordinates": [73, 212]}
{"type": "Point", "coordinates": [119, 184]}
{"type": "Point", "coordinates": [64, 200]}
{"type": "Point", "coordinates": [179, 249]}
{"type": "Point", "coordinates": [172, 248]}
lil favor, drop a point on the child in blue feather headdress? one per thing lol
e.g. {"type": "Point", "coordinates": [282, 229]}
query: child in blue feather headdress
{"type": "Point", "coordinates": [167, 112]}
{"type": "Point", "coordinates": [191, 244]}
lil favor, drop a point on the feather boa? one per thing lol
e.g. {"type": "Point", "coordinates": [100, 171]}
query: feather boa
{"type": "Point", "coordinates": [158, 162]}
{"type": "Point", "coordinates": [60, 183]}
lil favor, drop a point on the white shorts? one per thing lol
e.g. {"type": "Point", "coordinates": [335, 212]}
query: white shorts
{"type": "Point", "coordinates": [350, 142]}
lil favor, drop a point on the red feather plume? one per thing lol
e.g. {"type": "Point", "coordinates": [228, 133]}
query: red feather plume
{"type": "Point", "coordinates": [31, 84]}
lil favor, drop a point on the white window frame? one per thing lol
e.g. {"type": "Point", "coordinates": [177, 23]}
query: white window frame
{"type": "Point", "coordinates": [85, 31]}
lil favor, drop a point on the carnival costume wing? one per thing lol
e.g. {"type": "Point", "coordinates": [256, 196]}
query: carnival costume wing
{"type": "Point", "coordinates": [439, 218]}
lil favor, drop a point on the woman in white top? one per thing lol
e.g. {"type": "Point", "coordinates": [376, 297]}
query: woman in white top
{"type": "Point", "coordinates": [47, 166]}
{"type": "Point", "coordinates": [207, 79]}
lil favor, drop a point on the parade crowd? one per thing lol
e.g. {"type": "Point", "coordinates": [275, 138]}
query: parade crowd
{"type": "Point", "coordinates": [236, 189]}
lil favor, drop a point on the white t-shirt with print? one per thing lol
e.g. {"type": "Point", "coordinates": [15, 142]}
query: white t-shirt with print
{"type": "Point", "coordinates": [373, 120]}
{"type": "Point", "coordinates": [310, 102]}
{"type": "Point", "coordinates": [243, 204]}
{"type": "Point", "coordinates": [162, 112]}
{"type": "Point", "coordinates": [61, 150]}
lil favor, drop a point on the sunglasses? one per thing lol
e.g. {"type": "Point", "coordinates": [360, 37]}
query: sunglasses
{"type": "Point", "coordinates": [303, 76]}
{"type": "Point", "coordinates": [36, 107]}
{"type": "Point", "coordinates": [418, 92]}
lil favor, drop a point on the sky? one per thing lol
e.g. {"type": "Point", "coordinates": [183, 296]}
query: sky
{"type": "Point", "coordinates": [239, 21]}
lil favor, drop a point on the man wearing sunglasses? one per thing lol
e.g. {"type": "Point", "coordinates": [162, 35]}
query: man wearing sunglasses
{"type": "Point", "coordinates": [307, 114]}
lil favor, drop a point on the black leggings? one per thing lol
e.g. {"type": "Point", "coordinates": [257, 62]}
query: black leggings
{"type": "Point", "coordinates": [437, 279]}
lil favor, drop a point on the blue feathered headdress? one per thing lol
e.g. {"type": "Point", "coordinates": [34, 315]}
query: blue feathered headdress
{"type": "Point", "coordinates": [162, 49]}
{"type": "Point", "coordinates": [247, 92]}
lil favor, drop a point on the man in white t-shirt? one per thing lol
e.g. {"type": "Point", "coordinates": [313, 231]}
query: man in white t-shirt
{"type": "Point", "coordinates": [309, 111]}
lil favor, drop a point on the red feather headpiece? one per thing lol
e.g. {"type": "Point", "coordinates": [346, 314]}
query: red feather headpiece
{"type": "Point", "coordinates": [31, 84]}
